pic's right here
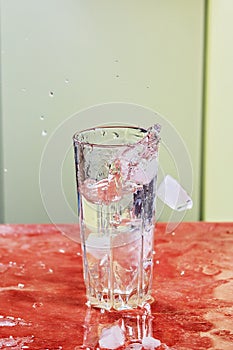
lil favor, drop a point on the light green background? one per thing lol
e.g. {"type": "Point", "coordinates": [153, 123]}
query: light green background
{"type": "Point", "coordinates": [218, 160]}
{"type": "Point", "coordinates": [149, 53]}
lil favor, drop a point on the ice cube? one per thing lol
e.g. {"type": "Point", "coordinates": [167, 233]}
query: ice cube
{"type": "Point", "coordinates": [144, 172]}
{"type": "Point", "coordinates": [150, 343]}
{"type": "Point", "coordinates": [112, 338]}
{"type": "Point", "coordinates": [173, 194]}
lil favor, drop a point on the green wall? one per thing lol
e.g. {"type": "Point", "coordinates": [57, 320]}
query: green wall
{"type": "Point", "coordinates": [218, 165]}
{"type": "Point", "coordinates": [148, 53]}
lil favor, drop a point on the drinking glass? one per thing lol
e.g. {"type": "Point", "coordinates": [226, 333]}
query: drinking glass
{"type": "Point", "coordinates": [116, 172]}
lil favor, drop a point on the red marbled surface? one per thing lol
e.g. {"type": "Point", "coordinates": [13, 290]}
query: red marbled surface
{"type": "Point", "coordinates": [42, 296]}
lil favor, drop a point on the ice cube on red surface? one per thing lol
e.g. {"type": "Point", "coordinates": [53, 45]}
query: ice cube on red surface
{"type": "Point", "coordinates": [150, 343]}
{"type": "Point", "coordinates": [112, 338]}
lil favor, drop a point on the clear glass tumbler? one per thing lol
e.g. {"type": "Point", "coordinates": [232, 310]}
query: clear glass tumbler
{"type": "Point", "coordinates": [116, 171]}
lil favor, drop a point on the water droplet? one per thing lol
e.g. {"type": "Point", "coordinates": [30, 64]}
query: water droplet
{"type": "Point", "coordinates": [147, 87]}
{"type": "Point", "coordinates": [44, 133]}
{"type": "Point", "coordinates": [157, 262]}
{"type": "Point", "coordinates": [51, 93]}
{"type": "Point", "coordinates": [117, 76]}
{"type": "Point", "coordinates": [41, 264]}
{"type": "Point", "coordinates": [20, 285]}
{"type": "Point", "coordinates": [23, 90]}
{"type": "Point", "coordinates": [115, 135]}
{"type": "Point", "coordinates": [36, 305]}
{"type": "Point", "coordinates": [182, 273]}
{"type": "Point", "coordinates": [61, 251]}
{"type": "Point", "coordinates": [50, 270]}
{"type": "Point", "coordinates": [5, 170]}
{"type": "Point", "coordinates": [67, 81]}
{"type": "Point", "coordinates": [173, 233]}
{"type": "Point", "coordinates": [210, 270]}
{"type": "Point", "coordinates": [116, 61]}
{"type": "Point", "coordinates": [42, 117]}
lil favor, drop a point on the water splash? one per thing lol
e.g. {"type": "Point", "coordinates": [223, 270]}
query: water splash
{"type": "Point", "coordinates": [15, 343]}
{"type": "Point", "coordinates": [10, 321]}
{"type": "Point", "coordinates": [3, 268]}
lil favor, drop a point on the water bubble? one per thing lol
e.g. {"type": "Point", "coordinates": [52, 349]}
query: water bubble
{"type": "Point", "coordinates": [67, 81]}
{"type": "Point", "coordinates": [42, 117]}
{"type": "Point", "coordinates": [117, 76]}
{"type": "Point", "coordinates": [210, 270]}
{"type": "Point", "coordinates": [116, 61]}
{"type": "Point", "coordinates": [44, 133]}
{"type": "Point", "coordinates": [51, 93]}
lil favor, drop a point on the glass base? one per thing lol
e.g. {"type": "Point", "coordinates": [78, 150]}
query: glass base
{"type": "Point", "coordinates": [119, 302]}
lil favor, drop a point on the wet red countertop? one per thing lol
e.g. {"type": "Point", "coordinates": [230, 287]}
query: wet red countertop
{"type": "Point", "coordinates": [42, 295]}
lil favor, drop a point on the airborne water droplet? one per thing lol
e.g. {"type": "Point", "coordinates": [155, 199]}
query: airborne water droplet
{"type": "Point", "coordinates": [42, 117]}
{"type": "Point", "coordinates": [51, 93]}
{"type": "Point", "coordinates": [67, 81]}
{"type": "Point", "coordinates": [44, 133]}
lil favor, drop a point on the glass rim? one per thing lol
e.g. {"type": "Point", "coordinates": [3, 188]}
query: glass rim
{"type": "Point", "coordinates": [78, 133]}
